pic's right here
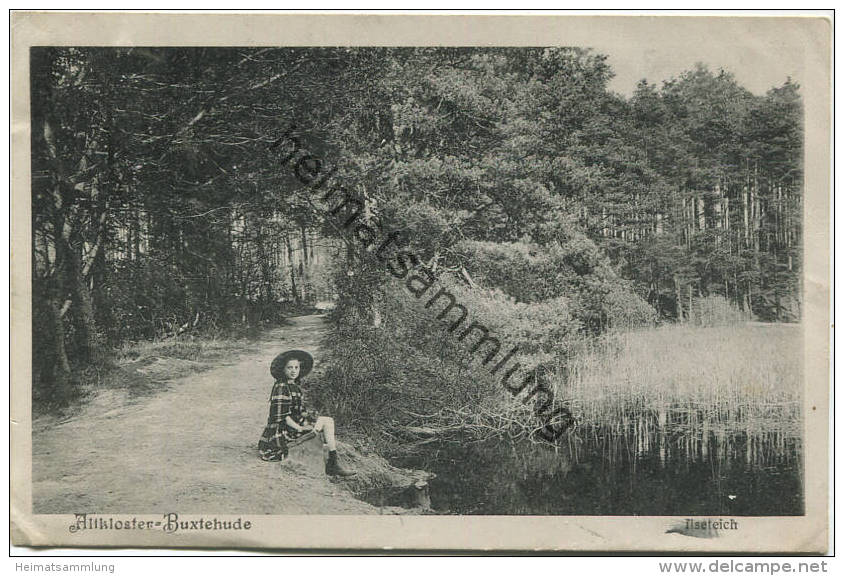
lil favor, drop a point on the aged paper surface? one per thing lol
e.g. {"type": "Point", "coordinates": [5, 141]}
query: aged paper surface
{"type": "Point", "coordinates": [800, 43]}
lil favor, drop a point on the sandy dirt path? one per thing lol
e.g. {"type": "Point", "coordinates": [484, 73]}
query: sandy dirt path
{"type": "Point", "coordinates": [190, 448]}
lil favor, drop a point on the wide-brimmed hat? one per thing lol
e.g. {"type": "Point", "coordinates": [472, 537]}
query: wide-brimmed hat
{"type": "Point", "coordinates": [306, 363]}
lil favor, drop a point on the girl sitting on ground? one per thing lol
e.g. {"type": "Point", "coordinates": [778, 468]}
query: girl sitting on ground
{"type": "Point", "coordinates": [288, 418]}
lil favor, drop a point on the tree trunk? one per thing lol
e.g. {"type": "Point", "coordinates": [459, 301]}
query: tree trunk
{"type": "Point", "coordinates": [292, 268]}
{"type": "Point", "coordinates": [678, 299]}
{"type": "Point", "coordinates": [267, 271]}
{"type": "Point", "coordinates": [305, 255]}
{"type": "Point", "coordinates": [749, 297]}
{"type": "Point", "coordinates": [61, 372]}
{"type": "Point", "coordinates": [754, 209]}
{"type": "Point", "coordinates": [746, 210]}
{"type": "Point", "coordinates": [691, 307]}
{"type": "Point", "coordinates": [85, 306]}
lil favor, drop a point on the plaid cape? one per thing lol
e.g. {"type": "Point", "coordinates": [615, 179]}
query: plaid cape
{"type": "Point", "coordinates": [285, 400]}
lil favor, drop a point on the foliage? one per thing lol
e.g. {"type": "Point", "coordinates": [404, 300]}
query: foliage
{"type": "Point", "coordinates": [556, 209]}
{"type": "Point", "coordinates": [413, 364]}
{"type": "Point", "coordinates": [576, 270]}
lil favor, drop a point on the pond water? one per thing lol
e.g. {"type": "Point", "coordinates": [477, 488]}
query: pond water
{"type": "Point", "coordinates": [604, 472]}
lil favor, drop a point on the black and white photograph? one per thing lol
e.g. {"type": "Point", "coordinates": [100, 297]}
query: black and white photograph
{"type": "Point", "coordinates": [329, 280]}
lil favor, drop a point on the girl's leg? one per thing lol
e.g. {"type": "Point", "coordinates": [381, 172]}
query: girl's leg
{"type": "Point", "coordinates": [325, 424]}
{"type": "Point", "coordinates": [333, 467]}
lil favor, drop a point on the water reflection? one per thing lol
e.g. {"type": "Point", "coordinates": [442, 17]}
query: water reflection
{"type": "Point", "coordinates": [652, 465]}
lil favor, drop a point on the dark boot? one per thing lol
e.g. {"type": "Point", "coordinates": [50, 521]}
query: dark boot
{"type": "Point", "coordinates": [334, 468]}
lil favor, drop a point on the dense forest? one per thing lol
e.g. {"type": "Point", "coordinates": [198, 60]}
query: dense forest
{"type": "Point", "coordinates": [557, 209]}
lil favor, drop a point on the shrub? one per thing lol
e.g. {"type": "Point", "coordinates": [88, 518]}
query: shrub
{"type": "Point", "coordinates": [625, 309]}
{"type": "Point", "coordinates": [409, 364]}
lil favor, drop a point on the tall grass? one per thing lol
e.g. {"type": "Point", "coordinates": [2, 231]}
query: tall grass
{"type": "Point", "coordinates": [726, 379]}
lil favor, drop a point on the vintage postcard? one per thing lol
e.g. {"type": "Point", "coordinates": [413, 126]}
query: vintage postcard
{"type": "Point", "coordinates": [421, 282]}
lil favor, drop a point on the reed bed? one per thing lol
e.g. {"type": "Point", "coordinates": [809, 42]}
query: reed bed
{"type": "Point", "coordinates": [740, 378]}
